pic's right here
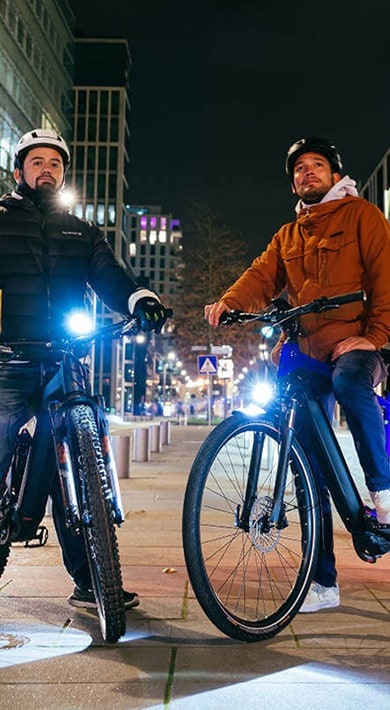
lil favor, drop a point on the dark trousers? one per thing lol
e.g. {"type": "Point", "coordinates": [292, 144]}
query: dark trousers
{"type": "Point", "coordinates": [20, 386]}
{"type": "Point", "coordinates": [354, 377]}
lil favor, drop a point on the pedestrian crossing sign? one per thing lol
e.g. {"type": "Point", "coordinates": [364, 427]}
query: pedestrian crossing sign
{"type": "Point", "coordinates": [207, 364]}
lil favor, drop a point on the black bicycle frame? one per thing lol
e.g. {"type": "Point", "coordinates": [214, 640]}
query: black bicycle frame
{"type": "Point", "coordinates": [49, 452]}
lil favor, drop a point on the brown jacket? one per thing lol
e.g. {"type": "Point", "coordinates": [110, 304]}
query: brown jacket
{"type": "Point", "coordinates": [332, 248]}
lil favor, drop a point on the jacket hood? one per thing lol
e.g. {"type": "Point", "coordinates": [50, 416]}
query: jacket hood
{"type": "Point", "coordinates": [346, 187]}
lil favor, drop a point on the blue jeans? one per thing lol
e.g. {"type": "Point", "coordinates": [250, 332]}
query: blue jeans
{"type": "Point", "coordinates": [20, 387]}
{"type": "Point", "coordinates": [354, 377]}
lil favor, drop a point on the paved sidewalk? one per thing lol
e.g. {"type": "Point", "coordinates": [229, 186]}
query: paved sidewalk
{"type": "Point", "coordinates": [52, 657]}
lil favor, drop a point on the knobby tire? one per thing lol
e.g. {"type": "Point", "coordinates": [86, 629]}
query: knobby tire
{"type": "Point", "coordinates": [250, 583]}
{"type": "Point", "coordinates": [5, 549]}
{"type": "Point", "coordinates": [98, 526]}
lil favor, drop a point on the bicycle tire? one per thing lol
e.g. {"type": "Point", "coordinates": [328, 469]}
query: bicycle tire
{"type": "Point", "coordinates": [5, 549]}
{"type": "Point", "coordinates": [249, 583]}
{"type": "Point", "coordinates": [97, 521]}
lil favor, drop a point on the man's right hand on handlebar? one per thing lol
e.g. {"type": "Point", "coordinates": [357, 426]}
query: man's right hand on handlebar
{"type": "Point", "coordinates": [213, 312]}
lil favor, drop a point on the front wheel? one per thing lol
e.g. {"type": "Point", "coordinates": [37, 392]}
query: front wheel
{"type": "Point", "coordinates": [5, 549]}
{"type": "Point", "coordinates": [97, 518]}
{"type": "Point", "coordinates": [249, 576]}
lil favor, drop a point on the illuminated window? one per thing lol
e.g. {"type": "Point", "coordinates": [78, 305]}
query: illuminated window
{"type": "Point", "coordinates": [153, 236]}
{"type": "Point", "coordinates": [162, 236]}
{"type": "Point", "coordinates": [89, 213]}
{"type": "Point", "coordinates": [153, 222]}
{"type": "Point", "coordinates": [111, 214]}
{"type": "Point", "coordinates": [100, 215]}
{"type": "Point", "coordinates": [78, 210]}
{"type": "Point", "coordinates": [143, 222]}
{"type": "Point", "coordinates": [132, 249]}
{"type": "Point", "coordinates": [143, 235]}
{"type": "Point", "coordinates": [163, 222]}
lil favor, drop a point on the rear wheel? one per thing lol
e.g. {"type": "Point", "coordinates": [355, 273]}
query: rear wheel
{"type": "Point", "coordinates": [98, 524]}
{"type": "Point", "coordinates": [249, 576]}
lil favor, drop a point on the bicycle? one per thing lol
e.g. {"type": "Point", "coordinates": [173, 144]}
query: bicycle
{"type": "Point", "coordinates": [72, 419]}
{"type": "Point", "coordinates": [252, 512]}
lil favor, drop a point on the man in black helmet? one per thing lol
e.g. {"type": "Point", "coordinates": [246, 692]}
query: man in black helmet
{"type": "Point", "coordinates": [48, 258]}
{"type": "Point", "coordinates": [338, 243]}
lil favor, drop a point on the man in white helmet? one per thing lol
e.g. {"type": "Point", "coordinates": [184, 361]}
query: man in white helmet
{"type": "Point", "coordinates": [48, 258]}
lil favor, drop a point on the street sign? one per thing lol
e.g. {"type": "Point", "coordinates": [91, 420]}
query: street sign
{"type": "Point", "coordinates": [225, 350]}
{"type": "Point", "coordinates": [207, 364]}
{"type": "Point", "coordinates": [225, 368]}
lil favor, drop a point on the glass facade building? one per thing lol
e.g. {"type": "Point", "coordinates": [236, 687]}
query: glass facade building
{"type": "Point", "coordinates": [36, 73]}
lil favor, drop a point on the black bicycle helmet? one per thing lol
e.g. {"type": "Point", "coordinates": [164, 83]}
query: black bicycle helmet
{"type": "Point", "coordinates": [313, 144]}
{"type": "Point", "coordinates": [37, 138]}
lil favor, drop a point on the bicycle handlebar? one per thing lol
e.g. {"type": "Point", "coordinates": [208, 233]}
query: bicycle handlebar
{"type": "Point", "coordinates": [279, 311]}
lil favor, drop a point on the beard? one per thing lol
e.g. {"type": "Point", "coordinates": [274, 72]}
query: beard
{"type": "Point", "coordinates": [314, 196]}
{"type": "Point", "coordinates": [45, 188]}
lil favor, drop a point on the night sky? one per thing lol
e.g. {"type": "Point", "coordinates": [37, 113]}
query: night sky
{"type": "Point", "coordinates": [220, 89]}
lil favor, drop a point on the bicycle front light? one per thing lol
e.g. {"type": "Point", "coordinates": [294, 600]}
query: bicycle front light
{"type": "Point", "coordinates": [262, 393]}
{"type": "Point", "coordinates": [79, 323]}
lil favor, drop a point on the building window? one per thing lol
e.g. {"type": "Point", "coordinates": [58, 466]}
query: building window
{"type": "Point", "coordinates": [115, 103]}
{"type": "Point", "coordinates": [100, 212]}
{"type": "Point", "coordinates": [103, 130]}
{"type": "Point", "coordinates": [114, 130]}
{"type": "Point", "coordinates": [102, 158]}
{"type": "Point", "coordinates": [92, 129]}
{"type": "Point", "coordinates": [93, 102]}
{"type": "Point", "coordinates": [111, 214]}
{"type": "Point", "coordinates": [82, 104]}
{"type": "Point", "coordinates": [80, 136]}
{"type": "Point", "coordinates": [113, 158]}
{"type": "Point", "coordinates": [104, 103]}
{"type": "Point", "coordinates": [89, 212]}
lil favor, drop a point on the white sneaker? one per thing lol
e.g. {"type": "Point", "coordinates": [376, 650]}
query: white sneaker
{"type": "Point", "coordinates": [381, 500]}
{"type": "Point", "coordinates": [320, 597]}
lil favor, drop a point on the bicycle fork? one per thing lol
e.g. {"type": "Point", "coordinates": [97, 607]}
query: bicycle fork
{"type": "Point", "coordinates": [276, 517]}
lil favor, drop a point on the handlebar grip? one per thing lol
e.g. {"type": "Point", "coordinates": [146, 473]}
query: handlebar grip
{"type": "Point", "coordinates": [348, 298]}
{"type": "Point", "coordinates": [229, 317]}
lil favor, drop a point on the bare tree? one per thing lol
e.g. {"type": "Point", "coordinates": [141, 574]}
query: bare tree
{"type": "Point", "coordinates": [213, 262]}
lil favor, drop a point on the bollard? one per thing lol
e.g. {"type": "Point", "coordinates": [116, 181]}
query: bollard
{"type": "Point", "coordinates": [141, 449]}
{"type": "Point", "coordinates": [155, 438]}
{"type": "Point", "coordinates": [121, 450]}
{"type": "Point", "coordinates": [165, 426]}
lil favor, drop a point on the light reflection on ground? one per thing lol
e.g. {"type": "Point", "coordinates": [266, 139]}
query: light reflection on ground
{"type": "Point", "coordinates": [21, 643]}
{"type": "Point", "coordinates": [312, 685]}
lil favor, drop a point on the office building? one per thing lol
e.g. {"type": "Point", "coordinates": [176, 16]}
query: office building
{"type": "Point", "coordinates": [100, 145]}
{"type": "Point", "coordinates": [36, 73]}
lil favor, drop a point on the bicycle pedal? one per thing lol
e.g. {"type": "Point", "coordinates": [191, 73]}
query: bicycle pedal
{"type": "Point", "coordinates": [39, 539]}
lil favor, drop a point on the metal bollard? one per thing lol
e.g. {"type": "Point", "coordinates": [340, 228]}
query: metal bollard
{"type": "Point", "coordinates": [165, 426]}
{"type": "Point", "coordinates": [121, 450]}
{"type": "Point", "coordinates": [155, 438]}
{"type": "Point", "coordinates": [141, 449]}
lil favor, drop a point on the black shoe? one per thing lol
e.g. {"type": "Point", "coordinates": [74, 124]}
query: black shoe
{"type": "Point", "coordinates": [85, 598]}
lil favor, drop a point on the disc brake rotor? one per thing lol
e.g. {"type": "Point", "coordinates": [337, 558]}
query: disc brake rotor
{"type": "Point", "coordinates": [264, 537]}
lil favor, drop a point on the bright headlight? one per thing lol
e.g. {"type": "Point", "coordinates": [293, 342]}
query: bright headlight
{"type": "Point", "coordinates": [262, 393]}
{"type": "Point", "coordinates": [79, 323]}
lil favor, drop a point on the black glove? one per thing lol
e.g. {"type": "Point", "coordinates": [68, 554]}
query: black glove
{"type": "Point", "coordinates": [151, 314]}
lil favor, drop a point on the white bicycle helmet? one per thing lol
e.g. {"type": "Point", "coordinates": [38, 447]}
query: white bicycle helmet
{"type": "Point", "coordinates": [41, 137]}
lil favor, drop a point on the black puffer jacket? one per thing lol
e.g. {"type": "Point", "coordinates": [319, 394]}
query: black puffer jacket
{"type": "Point", "coordinates": [47, 258]}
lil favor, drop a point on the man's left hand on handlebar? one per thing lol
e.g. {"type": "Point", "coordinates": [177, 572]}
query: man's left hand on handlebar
{"type": "Point", "coordinates": [151, 314]}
